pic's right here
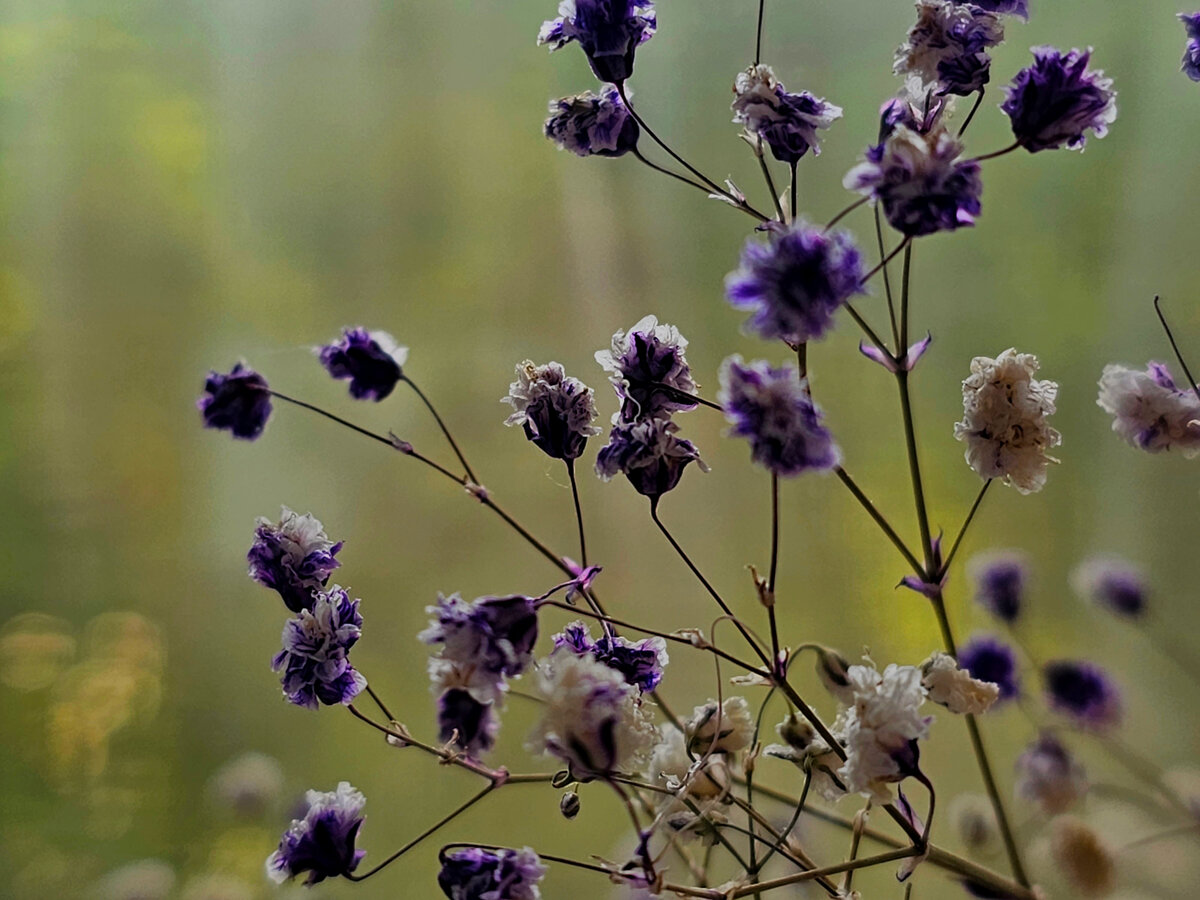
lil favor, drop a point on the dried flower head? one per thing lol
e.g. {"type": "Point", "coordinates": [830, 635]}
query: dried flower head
{"type": "Point", "coordinates": [370, 360]}
{"type": "Point", "coordinates": [921, 181]}
{"type": "Point", "coordinates": [1004, 420]}
{"type": "Point", "coordinates": [1019, 8]}
{"type": "Point", "coordinates": [1084, 693]}
{"type": "Point", "coordinates": [955, 688]}
{"type": "Point", "coordinates": [239, 402]}
{"type": "Point", "coordinates": [609, 31]}
{"type": "Point", "coordinates": [321, 843]}
{"type": "Point", "coordinates": [787, 122]}
{"type": "Point", "coordinates": [493, 634]}
{"type": "Point", "coordinates": [248, 785]}
{"type": "Point", "coordinates": [555, 410]}
{"type": "Point", "coordinates": [1191, 50]}
{"type": "Point", "coordinates": [1050, 776]}
{"type": "Point", "coordinates": [649, 371]}
{"type": "Point", "coordinates": [947, 46]}
{"type": "Point", "coordinates": [1057, 100]}
{"type": "Point", "coordinates": [591, 124]}
{"type": "Point", "coordinates": [466, 722]}
{"type": "Point", "coordinates": [294, 557]}
{"type": "Point", "coordinates": [720, 728]}
{"type": "Point", "coordinates": [1082, 857]}
{"type": "Point", "coordinates": [482, 873]}
{"type": "Point", "coordinates": [990, 659]}
{"type": "Point", "coordinates": [1149, 410]}
{"type": "Point", "coordinates": [649, 454]}
{"type": "Point", "coordinates": [1001, 578]}
{"type": "Point", "coordinates": [592, 718]}
{"type": "Point", "coordinates": [794, 283]}
{"type": "Point", "coordinates": [773, 409]}
{"type": "Point", "coordinates": [1115, 584]}
{"type": "Point", "coordinates": [641, 663]}
{"type": "Point", "coordinates": [315, 656]}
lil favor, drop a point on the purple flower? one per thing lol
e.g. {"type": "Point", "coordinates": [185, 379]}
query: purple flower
{"type": "Point", "coordinates": [947, 46]}
{"type": "Point", "coordinates": [1048, 774]}
{"type": "Point", "coordinates": [648, 370]}
{"type": "Point", "coordinates": [772, 408]}
{"type": "Point", "coordinates": [1019, 8]}
{"type": "Point", "coordinates": [495, 634]}
{"type": "Point", "coordinates": [795, 283]}
{"type": "Point", "coordinates": [1191, 51]}
{"type": "Point", "coordinates": [294, 557]}
{"type": "Point", "coordinates": [990, 659]}
{"type": "Point", "coordinates": [922, 183]}
{"type": "Point", "coordinates": [1000, 582]}
{"type": "Point", "coordinates": [1149, 410]}
{"type": "Point", "coordinates": [463, 719]}
{"type": "Point", "coordinates": [788, 122]}
{"type": "Point", "coordinates": [1112, 583]}
{"type": "Point", "coordinates": [609, 31]}
{"type": "Point", "coordinates": [556, 411]}
{"type": "Point", "coordinates": [370, 359]}
{"type": "Point", "coordinates": [592, 124]}
{"type": "Point", "coordinates": [649, 454]}
{"type": "Point", "coordinates": [641, 663]}
{"type": "Point", "coordinates": [1055, 101]}
{"type": "Point", "coordinates": [1084, 693]}
{"type": "Point", "coordinates": [314, 659]}
{"type": "Point", "coordinates": [918, 108]}
{"type": "Point", "coordinates": [321, 843]}
{"type": "Point", "coordinates": [479, 873]}
{"type": "Point", "coordinates": [239, 402]}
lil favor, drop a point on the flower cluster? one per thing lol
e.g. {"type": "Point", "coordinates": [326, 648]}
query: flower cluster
{"type": "Point", "coordinates": [294, 557]}
{"type": "Point", "coordinates": [957, 688]}
{"type": "Point", "coordinates": [1191, 50]}
{"type": "Point", "coordinates": [555, 410]}
{"type": "Point", "coordinates": [371, 361]}
{"type": "Point", "coordinates": [315, 657]}
{"type": "Point", "coordinates": [1113, 584]}
{"type": "Point", "coordinates": [591, 124]}
{"type": "Point", "coordinates": [1149, 410]}
{"type": "Point", "coordinates": [1084, 693]}
{"type": "Point", "coordinates": [322, 842]}
{"type": "Point", "coordinates": [641, 663]}
{"type": "Point", "coordinates": [239, 402]}
{"type": "Point", "coordinates": [1057, 100]}
{"type": "Point", "coordinates": [786, 122]}
{"type": "Point", "coordinates": [1004, 420]}
{"type": "Point", "coordinates": [1001, 580]}
{"type": "Point", "coordinates": [990, 660]}
{"type": "Point", "coordinates": [481, 873]}
{"type": "Point", "coordinates": [609, 31]}
{"type": "Point", "coordinates": [948, 46]}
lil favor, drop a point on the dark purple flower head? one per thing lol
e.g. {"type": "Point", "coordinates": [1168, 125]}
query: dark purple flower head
{"type": "Point", "coordinates": [1000, 580]}
{"type": "Point", "coordinates": [239, 402]}
{"type": "Point", "coordinates": [609, 31]}
{"type": "Point", "coordinates": [470, 724]}
{"type": "Point", "coordinates": [641, 362]}
{"type": "Point", "coordinates": [786, 121]}
{"type": "Point", "coordinates": [1191, 51]}
{"type": "Point", "coordinates": [795, 283]}
{"type": "Point", "coordinates": [592, 124]}
{"type": "Point", "coordinates": [321, 843]}
{"type": "Point", "coordinates": [1048, 774]}
{"type": "Point", "coordinates": [315, 655]}
{"type": "Point", "coordinates": [1054, 102]}
{"type": "Point", "coordinates": [294, 557]}
{"type": "Point", "coordinates": [496, 634]}
{"type": "Point", "coordinates": [649, 454]}
{"type": "Point", "coordinates": [922, 183]}
{"type": "Point", "coordinates": [477, 873]}
{"type": "Point", "coordinates": [990, 659]}
{"type": "Point", "coordinates": [948, 46]}
{"type": "Point", "coordinates": [1112, 583]}
{"type": "Point", "coordinates": [371, 360]}
{"type": "Point", "coordinates": [641, 663]}
{"type": "Point", "coordinates": [772, 408]}
{"type": "Point", "coordinates": [918, 107]}
{"type": "Point", "coordinates": [1084, 693]}
{"type": "Point", "coordinates": [555, 410]}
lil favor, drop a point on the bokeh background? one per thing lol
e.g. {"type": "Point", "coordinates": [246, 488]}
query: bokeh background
{"type": "Point", "coordinates": [187, 183]}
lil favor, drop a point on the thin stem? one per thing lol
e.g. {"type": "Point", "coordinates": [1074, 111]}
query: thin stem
{"type": "Point", "coordinates": [971, 114]}
{"type": "Point", "coordinates": [887, 281]}
{"type": "Point", "coordinates": [774, 564]}
{"type": "Point", "coordinates": [708, 587]}
{"type": "Point", "coordinates": [446, 820]}
{"type": "Point", "coordinates": [1175, 347]}
{"type": "Point", "coordinates": [758, 33]}
{"type": "Point", "coordinates": [578, 513]}
{"type": "Point", "coordinates": [914, 468]}
{"type": "Point", "coordinates": [766, 170]}
{"type": "Point", "coordinates": [962, 532]}
{"type": "Point", "coordinates": [855, 840]}
{"type": "Point", "coordinates": [382, 708]}
{"type": "Point", "coordinates": [845, 212]}
{"type": "Point", "coordinates": [837, 869]}
{"type": "Point", "coordinates": [791, 825]}
{"type": "Point", "coordinates": [442, 425]}
{"type": "Point", "coordinates": [869, 331]}
{"type": "Point", "coordinates": [879, 518]}
{"type": "Point", "coordinates": [1009, 149]}
{"type": "Point", "coordinates": [794, 199]}
{"type": "Point", "coordinates": [684, 395]}
{"type": "Point", "coordinates": [707, 191]}
{"type": "Point", "coordinates": [1178, 830]}
{"type": "Point", "coordinates": [905, 244]}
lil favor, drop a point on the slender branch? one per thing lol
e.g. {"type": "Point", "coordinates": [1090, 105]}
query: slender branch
{"type": "Point", "coordinates": [845, 212]}
{"type": "Point", "coordinates": [971, 115]}
{"type": "Point", "coordinates": [869, 331]}
{"type": "Point", "coordinates": [879, 518]}
{"type": "Point", "coordinates": [837, 869]}
{"type": "Point", "coordinates": [758, 33]}
{"type": "Point", "coordinates": [791, 825]}
{"type": "Point", "coordinates": [1177, 831]}
{"type": "Point", "coordinates": [887, 281]}
{"type": "Point", "coordinates": [1174, 346]}
{"type": "Point", "coordinates": [578, 513]}
{"type": "Point", "coordinates": [771, 577]}
{"type": "Point", "coordinates": [794, 199]}
{"type": "Point", "coordinates": [1009, 149]}
{"type": "Point", "coordinates": [962, 532]}
{"type": "Point", "coordinates": [914, 468]}
{"type": "Point", "coordinates": [442, 425]}
{"type": "Point", "coordinates": [766, 170]}
{"type": "Point", "coordinates": [382, 707]}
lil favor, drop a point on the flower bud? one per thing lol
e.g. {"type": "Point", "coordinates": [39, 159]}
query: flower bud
{"type": "Point", "coordinates": [568, 805]}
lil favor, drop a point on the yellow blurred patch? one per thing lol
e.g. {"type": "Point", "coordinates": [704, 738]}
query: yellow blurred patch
{"type": "Point", "coordinates": [34, 650]}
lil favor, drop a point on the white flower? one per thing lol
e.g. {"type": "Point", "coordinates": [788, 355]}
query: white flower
{"type": "Point", "coordinates": [720, 729]}
{"type": "Point", "coordinates": [755, 99]}
{"type": "Point", "coordinates": [483, 685]}
{"type": "Point", "coordinates": [592, 719]}
{"type": "Point", "coordinates": [808, 752]}
{"type": "Point", "coordinates": [954, 688]}
{"type": "Point", "coordinates": [705, 778]}
{"type": "Point", "coordinates": [879, 728]}
{"type": "Point", "coordinates": [1004, 420]}
{"type": "Point", "coordinates": [1149, 411]}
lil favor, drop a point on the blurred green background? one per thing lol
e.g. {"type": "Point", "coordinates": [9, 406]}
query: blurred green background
{"type": "Point", "coordinates": [186, 183]}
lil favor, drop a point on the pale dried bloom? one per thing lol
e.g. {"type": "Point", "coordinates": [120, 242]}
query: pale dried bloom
{"type": "Point", "coordinates": [1082, 857]}
{"type": "Point", "coordinates": [1004, 420]}
{"type": "Point", "coordinates": [1149, 410]}
{"type": "Point", "coordinates": [720, 729]}
{"type": "Point", "coordinates": [881, 728]}
{"type": "Point", "coordinates": [809, 753]}
{"type": "Point", "coordinates": [954, 688]}
{"type": "Point", "coordinates": [707, 777]}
